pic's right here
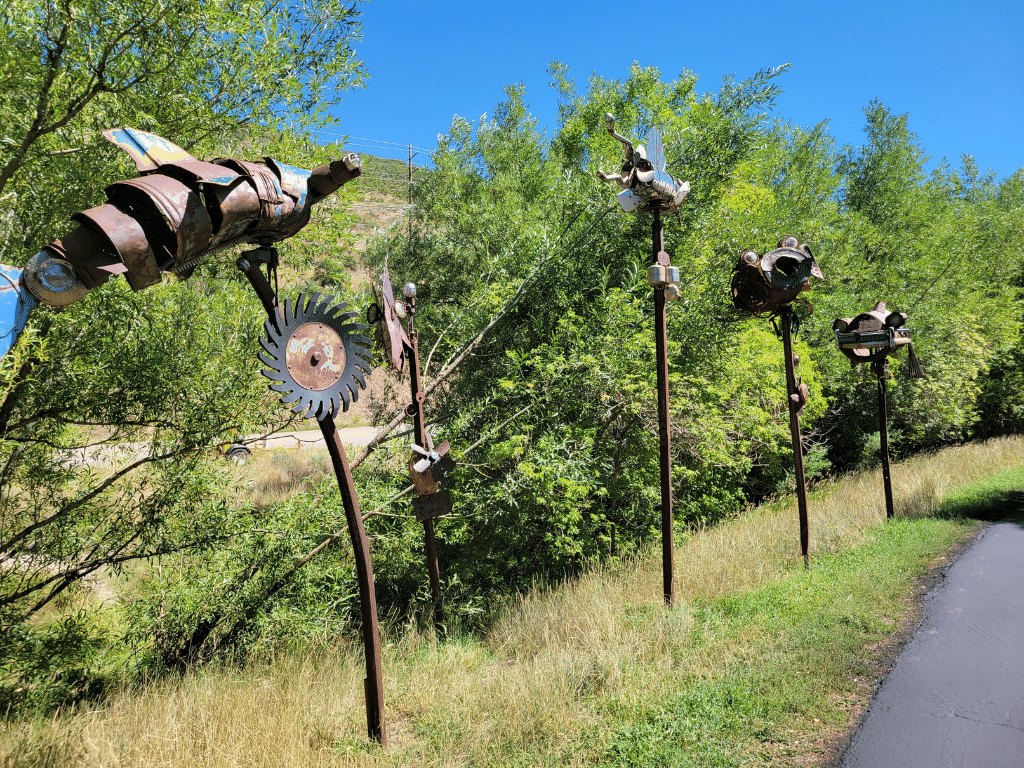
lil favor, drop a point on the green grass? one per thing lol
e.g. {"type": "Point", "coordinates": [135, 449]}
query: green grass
{"type": "Point", "coordinates": [761, 662]}
{"type": "Point", "coordinates": [795, 650]}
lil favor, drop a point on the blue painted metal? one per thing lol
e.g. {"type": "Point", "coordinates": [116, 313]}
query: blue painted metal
{"type": "Point", "coordinates": [16, 304]}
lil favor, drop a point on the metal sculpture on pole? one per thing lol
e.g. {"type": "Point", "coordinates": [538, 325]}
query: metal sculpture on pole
{"type": "Point", "coordinates": [181, 210]}
{"type": "Point", "coordinates": [427, 467]}
{"type": "Point", "coordinates": [871, 337]}
{"type": "Point", "coordinates": [647, 186]}
{"type": "Point", "coordinates": [770, 284]}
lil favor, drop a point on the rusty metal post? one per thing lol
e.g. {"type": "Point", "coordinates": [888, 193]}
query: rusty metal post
{"type": "Point", "coordinates": [793, 399]}
{"type": "Point", "coordinates": [658, 256]}
{"type": "Point", "coordinates": [880, 370]}
{"type": "Point", "coordinates": [420, 430]}
{"type": "Point", "coordinates": [374, 683]}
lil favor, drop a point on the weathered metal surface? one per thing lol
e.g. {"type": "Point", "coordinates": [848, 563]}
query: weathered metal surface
{"type": "Point", "coordinates": [383, 315]}
{"type": "Point", "coordinates": [645, 183]}
{"type": "Point", "coordinates": [128, 240]}
{"type": "Point", "coordinates": [274, 205]}
{"type": "Point", "coordinates": [432, 506]}
{"type": "Point", "coordinates": [182, 210]}
{"type": "Point", "coordinates": [295, 184]}
{"type": "Point", "coordinates": [796, 397]}
{"type": "Point", "coordinates": [315, 357]}
{"type": "Point", "coordinates": [148, 150]}
{"type": "Point", "coordinates": [767, 283]}
{"type": "Point", "coordinates": [89, 252]}
{"type": "Point", "coordinates": [173, 215]}
{"type": "Point", "coordinates": [664, 423]}
{"type": "Point", "coordinates": [373, 684]}
{"type": "Point", "coordinates": [872, 336]}
{"type": "Point", "coordinates": [883, 435]}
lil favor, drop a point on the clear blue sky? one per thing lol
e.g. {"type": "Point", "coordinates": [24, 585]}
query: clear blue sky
{"type": "Point", "coordinates": [957, 68]}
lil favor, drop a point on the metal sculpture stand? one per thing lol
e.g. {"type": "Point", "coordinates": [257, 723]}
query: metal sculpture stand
{"type": "Point", "coordinates": [795, 399]}
{"type": "Point", "coordinates": [881, 371]}
{"type": "Point", "coordinates": [420, 429]}
{"type": "Point", "coordinates": [658, 256]}
{"type": "Point", "coordinates": [374, 682]}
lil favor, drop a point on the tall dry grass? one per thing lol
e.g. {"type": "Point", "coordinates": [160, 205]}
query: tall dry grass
{"type": "Point", "coordinates": [277, 475]}
{"type": "Point", "coordinates": [528, 686]}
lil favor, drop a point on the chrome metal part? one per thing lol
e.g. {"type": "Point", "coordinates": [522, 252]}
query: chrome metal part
{"type": "Point", "coordinates": [644, 177]}
{"type": "Point", "coordinates": [52, 280]}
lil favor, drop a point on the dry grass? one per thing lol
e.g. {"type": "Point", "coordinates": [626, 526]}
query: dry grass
{"type": "Point", "coordinates": [535, 685]}
{"type": "Point", "coordinates": [277, 475]}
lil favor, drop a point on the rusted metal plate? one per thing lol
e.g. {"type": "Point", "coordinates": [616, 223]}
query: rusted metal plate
{"type": "Point", "coordinates": [194, 172]}
{"type": "Point", "coordinates": [148, 150]}
{"type": "Point", "coordinates": [171, 213]}
{"type": "Point", "coordinates": [126, 237]}
{"type": "Point", "coordinates": [89, 252]}
{"type": "Point", "coordinates": [315, 356]}
{"type": "Point", "coordinates": [275, 205]}
{"type": "Point", "coordinates": [423, 482]}
{"type": "Point", "coordinates": [432, 506]}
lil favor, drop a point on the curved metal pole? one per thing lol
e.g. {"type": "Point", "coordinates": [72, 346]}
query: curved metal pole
{"type": "Point", "coordinates": [880, 370]}
{"type": "Point", "coordinates": [416, 389]}
{"type": "Point", "coordinates": [664, 434]}
{"type": "Point", "coordinates": [793, 398]}
{"type": "Point", "coordinates": [373, 685]}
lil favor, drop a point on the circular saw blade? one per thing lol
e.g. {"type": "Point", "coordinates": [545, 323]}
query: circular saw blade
{"type": "Point", "coordinates": [317, 360]}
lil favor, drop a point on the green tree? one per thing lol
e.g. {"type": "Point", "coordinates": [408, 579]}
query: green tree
{"type": "Point", "coordinates": [164, 374]}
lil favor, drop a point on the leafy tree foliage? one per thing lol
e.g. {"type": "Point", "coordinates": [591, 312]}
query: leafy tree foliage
{"type": "Point", "coordinates": [161, 376]}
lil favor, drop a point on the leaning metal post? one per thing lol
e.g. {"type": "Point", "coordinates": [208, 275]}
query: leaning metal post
{"type": "Point", "coordinates": [664, 437]}
{"type": "Point", "coordinates": [881, 370]}
{"type": "Point", "coordinates": [794, 400]}
{"type": "Point", "coordinates": [374, 682]}
{"type": "Point", "coordinates": [421, 439]}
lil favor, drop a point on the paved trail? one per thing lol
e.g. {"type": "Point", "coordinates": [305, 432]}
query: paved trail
{"type": "Point", "coordinates": [956, 695]}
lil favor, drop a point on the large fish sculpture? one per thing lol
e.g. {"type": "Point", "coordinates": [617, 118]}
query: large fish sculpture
{"type": "Point", "coordinates": [179, 210]}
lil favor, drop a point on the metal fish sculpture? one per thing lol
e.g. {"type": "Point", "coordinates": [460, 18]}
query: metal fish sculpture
{"type": "Point", "coordinates": [178, 211]}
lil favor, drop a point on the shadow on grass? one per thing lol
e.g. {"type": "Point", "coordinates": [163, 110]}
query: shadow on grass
{"type": "Point", "coordinates": [985, 501]}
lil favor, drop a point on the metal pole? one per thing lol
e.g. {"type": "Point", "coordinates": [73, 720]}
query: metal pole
{"type": "Point", "coordinates": [664, 436]}
{"type": "Point", "coordinates": [793, 398]}
{"type": "Point", "coordinates": [373, 685]}
{"type": "Point", "coordinates": [420, 429]}
{"type": "Point", "coordinates": [880, 370]}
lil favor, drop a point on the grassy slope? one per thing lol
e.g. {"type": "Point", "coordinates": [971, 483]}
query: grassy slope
{"type": "Point", "coordinates": [762, 663]}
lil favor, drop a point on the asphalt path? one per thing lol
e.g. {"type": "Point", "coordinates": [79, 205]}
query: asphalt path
{"type": "Point", "coordinates": [955, 697]}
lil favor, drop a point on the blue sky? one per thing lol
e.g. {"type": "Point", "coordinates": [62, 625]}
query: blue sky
{"type": "Point", "coordinates": [957, 68]}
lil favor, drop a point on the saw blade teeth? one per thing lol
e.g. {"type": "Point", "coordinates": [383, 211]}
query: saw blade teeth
{"type": "Point", "coordinates": [290, 396]}
{"type": "Point", "coordinates": [268, 361]}
{"type": "Point", "coordinates": [358, 338]}
{"type": "Point", "coordinates": [281, 387]}
{"type": "Point", "coordinates": [358, 376]}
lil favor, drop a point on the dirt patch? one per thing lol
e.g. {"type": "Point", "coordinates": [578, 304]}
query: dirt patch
{"type": "Point", "coordinates": [832, 746]}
